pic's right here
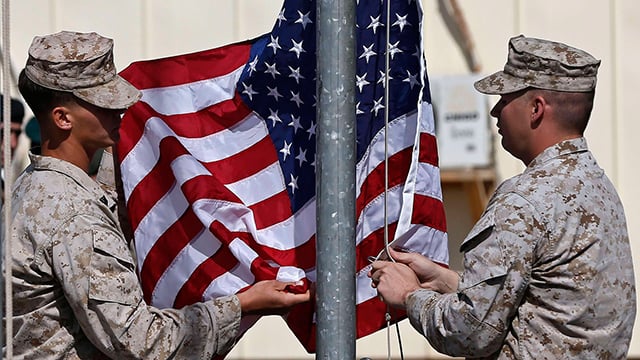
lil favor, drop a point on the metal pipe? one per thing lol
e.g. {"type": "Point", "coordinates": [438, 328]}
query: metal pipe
{"type": "Point", "coordinates": [335, 179]}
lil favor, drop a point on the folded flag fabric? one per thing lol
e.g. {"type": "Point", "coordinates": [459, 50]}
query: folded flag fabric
{"type": "Point", "coordinates": [218, 162]}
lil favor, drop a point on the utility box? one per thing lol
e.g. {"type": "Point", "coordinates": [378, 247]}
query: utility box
{"type": "Point", "coordinates": [462, 122]}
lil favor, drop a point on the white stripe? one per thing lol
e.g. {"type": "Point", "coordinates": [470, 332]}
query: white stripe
{"type": "Point", "coordinates": [429, 183]}
{"type": "Point", "coordinates": [260, 186]}
{"type": "Point", "coordinates": [435, 249]}
{"type": "Point", "coordinates": [423, 176]}
{"type": "Point", "coordinates": [192, 257]}
{"type": "Point", "coordinates": [186, 167]}
{"type": "Point", "coordinates": [285, 235]}
{"type": "Point", "coordinates": [194, 96]}
{"type": "Point", "coordinates": [234, 216]}
{"type": "Point", "coordinates": [290, 274]}
{"type": "Point", "coordinates": [228, 142]}
{"type": "Point", "coordinates": [401, 136]}
{"type": "Point", "coordinates": [161, 216]}
{"type": "Point", "coordinates": [425, 240]}
{"type": "Point", "coordinates": [312, 275]}
{"type": "Point", "coordinates": [203, 246]}
{"type": "Point", "coordinates": [364, 291]}
{"type": "Point", "coordinates": [168, 209]}
{"type": "Point", "coordinates": [239, 277]}
{"type": "Point", "coordinates": [228, 283]}
{"type": "Point", "coordinates": [293, 232]}
{"type": "Point", "coordinates": [242, 252]}
{"type": "Point", "coordinates": [427, 124]}
{"type": "Point", "coordinates": [372, 216]}
{"type": "Point", "coordinates": [144, 155]}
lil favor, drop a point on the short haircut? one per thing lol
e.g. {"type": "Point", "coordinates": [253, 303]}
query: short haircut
{"type": "Point", "coordinates": [40, 99]}
{"type": "Point", "coordinates": [573, 109]}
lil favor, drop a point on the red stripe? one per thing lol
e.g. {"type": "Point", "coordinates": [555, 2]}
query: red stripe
{"type": "Point", "coordinates": [208, 187]}
{"type": "Point", "coordinates": [428, 149]}
{"type": "Point", "coordinates": [273, 210]}
{"type": "Point", "coordinates": [205, 122]}
{"type": "Point", "coordinates": [302, 256]}
{"type": "Point", "coordinates": [183, 69]}
{"type": "Point", "coordinates": [156, 183]}
{"type": "Point", "coordinates": [132, 127]}
{"type": "Point", "coordinates": [374, 184]}
{"type": "Point", "coordinates": [372, 245]}
{"type": "Point", "coordinates": [301, 321]}
{"type": "Point", "coordinates": [192, 290]}
{"type": "Point", "coordinates": [245, 163]}
{"type": "Point", "coordinates": [370, 316]}
{"type": "Point", "coordinates": [160, 180]}
{"type": "Point", "coordinates": [166, 248]}
{"type": "Point", "coordinates": [429, 211]}
{"type": "Point", "coordinates": [262, 270]}
{"type": "Point", "coordinates": [221, 262]}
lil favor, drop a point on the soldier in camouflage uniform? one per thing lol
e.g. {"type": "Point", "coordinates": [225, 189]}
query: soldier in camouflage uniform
{"type": "Point", "coordinates": [75, 290]}
{"type": "Point", "coordinates": [547, 271]}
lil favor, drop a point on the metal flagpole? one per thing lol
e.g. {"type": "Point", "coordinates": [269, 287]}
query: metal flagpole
{"type": "Point", "coordinates": [335, 179]}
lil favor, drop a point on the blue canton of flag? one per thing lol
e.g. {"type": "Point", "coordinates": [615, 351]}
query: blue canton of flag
{"type": "Point", "coordinates": [279, 83]}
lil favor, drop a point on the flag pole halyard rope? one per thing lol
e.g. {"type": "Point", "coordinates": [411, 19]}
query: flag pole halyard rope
{"type": "Point", "coordinates": [387, 75]}
{"type": "Point", "coordinates": [387, 66]}
{"type": "Point", "coordinates": [386, 131]}
{"type": "Point", "coordinates": [8, 172]}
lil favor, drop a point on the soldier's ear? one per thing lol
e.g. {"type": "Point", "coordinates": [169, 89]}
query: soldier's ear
{"type": "Point", "coordinates": [62, 118]}
{"type": "Point", "coordinates": [538, 107]}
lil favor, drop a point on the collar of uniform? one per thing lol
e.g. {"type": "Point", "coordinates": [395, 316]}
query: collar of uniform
{"type": "Point", "coordinates": [562, 148]}
{"type": "Point", "coordinates": [40, 162]}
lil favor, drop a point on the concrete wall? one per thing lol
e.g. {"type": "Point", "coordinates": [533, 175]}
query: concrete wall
{"type": "Point", "coordinates": [145, 29]}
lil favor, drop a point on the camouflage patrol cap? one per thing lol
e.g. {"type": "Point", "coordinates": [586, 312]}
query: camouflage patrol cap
{"type": "Point", "coordinates": [542, 64]}
{"type": "Point", "coordinates": [80, 63]}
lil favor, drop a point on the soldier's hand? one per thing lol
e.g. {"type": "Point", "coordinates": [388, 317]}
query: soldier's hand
{"type": "Point", "coordinates": [394, 282]}
{"type": "Point", "coordinates": [270, 297]}
{"type": "Point", "coordinates": [431, 275]}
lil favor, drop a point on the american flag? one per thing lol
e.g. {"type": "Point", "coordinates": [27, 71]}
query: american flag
{"type": "Point", "coordinates": [218, 162]}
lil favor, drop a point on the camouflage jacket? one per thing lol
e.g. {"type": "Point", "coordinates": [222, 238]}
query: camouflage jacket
{"type": "Point", "coordinates": [76, 294]}
{"type": "Point", "coordinates": [547, 272]}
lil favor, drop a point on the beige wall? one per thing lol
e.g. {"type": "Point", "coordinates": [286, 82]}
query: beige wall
{"type": "Point", "coordinates": [145, 29]}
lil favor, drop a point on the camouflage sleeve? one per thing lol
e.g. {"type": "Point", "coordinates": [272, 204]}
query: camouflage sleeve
{"type": "Point", "coordinates": [97, 274]}
{"type": "Point", "coordinates": [474, 321]}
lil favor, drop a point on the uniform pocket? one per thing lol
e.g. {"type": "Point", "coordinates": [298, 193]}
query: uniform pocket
{"type": "Point", "coordinates": [483, 256]}
{"type": "Point", "coordinates": [480, 231]}
{"type": "Point", "coordinates": [112, 274]}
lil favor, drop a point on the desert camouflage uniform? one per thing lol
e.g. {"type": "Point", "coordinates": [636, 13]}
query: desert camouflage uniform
{"type": "Point", "coordinates": [76, 294]}
{"type": "Point", "coordinates": [547, 269]}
